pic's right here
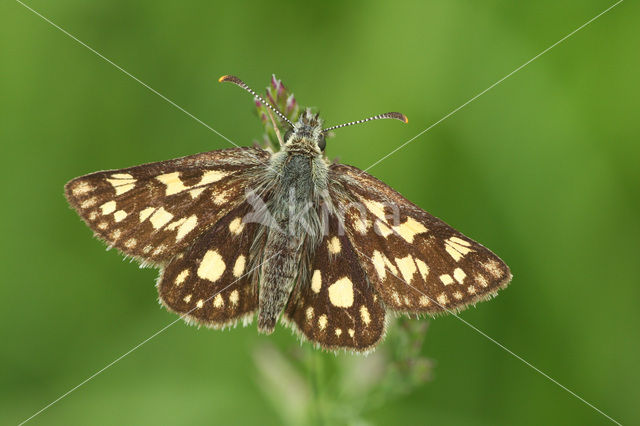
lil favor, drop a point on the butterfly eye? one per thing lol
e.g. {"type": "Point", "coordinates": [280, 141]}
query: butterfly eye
{"type": "Point", "coordinates": [321, 142]}
{"type": "Point", "coordinates": [288, 135]}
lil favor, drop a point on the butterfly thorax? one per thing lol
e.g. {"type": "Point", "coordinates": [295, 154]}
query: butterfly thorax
{"type": "Point", "coordinates": [297, 178]}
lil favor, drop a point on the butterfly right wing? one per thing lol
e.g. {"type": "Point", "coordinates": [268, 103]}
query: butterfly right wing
{"type": "Point", "coordinates": [416, 262]}
{"type": "Point", "coordinates": [336, 307]}
{"type": "Point", "coordinates": [154, 211]}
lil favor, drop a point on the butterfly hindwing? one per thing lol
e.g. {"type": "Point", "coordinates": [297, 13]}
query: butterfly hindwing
{"type": "Point", "coordinates": [154, 211]}
{"type": "Point", "coordinates": [211, 282]}
{"type": "Point", "coordinates": [336, 307]}
{"type": "Point", "coordinates": [416, 262]}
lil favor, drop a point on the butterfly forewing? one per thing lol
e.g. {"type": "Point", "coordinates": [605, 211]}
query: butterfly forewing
{"type": "Point", "coordinates": [337, 308]}
{"type": "Point", "coordinates": [416, 262]}
{"type": "Point", "coordinates": [154, 211]}
{"type": "Point", "coordinates": [211, 282]}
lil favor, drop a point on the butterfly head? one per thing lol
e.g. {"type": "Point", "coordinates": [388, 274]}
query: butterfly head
{"type": "Point", "coordinates": [306, 133]}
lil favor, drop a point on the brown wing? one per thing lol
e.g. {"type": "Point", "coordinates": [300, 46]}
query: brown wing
{"type": "Point", "coordinates": [337, 308]}
{"type": "Point", "coordinates": [416, 262]}
{"type": "Point", "coordinates": [153, 211]}
{"type": "Point", "coordinates": [211, 283]}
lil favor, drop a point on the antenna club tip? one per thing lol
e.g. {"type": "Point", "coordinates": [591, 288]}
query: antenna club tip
{"type": "Point", "coordinates": [223, 78]}
{"type": "Point", "coordinates": [405, 119]}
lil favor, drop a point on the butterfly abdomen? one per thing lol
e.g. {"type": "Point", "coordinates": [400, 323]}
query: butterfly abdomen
{"type": "Point", "coordinates": [293, 206]}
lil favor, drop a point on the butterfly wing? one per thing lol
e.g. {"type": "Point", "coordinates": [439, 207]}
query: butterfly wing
{"type": "Point", "coordinates": [416, 262]}
{"type": "Point", "coordinates": [212, 283]}
{"type": "Point", "coordinates": [337, 308]}
{"type": "Point", "coordinates": [153, 211]}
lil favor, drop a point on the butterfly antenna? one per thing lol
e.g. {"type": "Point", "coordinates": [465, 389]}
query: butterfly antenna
{"type": "Point", "coordinates": [394, 115]}
{"type": "Point", "coordinates": [235, 80]}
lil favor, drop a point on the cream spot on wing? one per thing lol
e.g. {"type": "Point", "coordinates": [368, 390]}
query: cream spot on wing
{"type": "Point", "coordinates": [103, 225]}
{"type": "Point", "coordinates": [457, 248]}
{"type": "Point", "coordinates": [89, 202]}
{"type": "Point", "coordinates": [195, 193]}
{"type": "Point", "coordinates": [334, 245]}
{"type": "Point", "coordinates": [424, 301]}
{"type": "Point", "coordinates": [187, 298]}
{"type": "Point", "coordinates": [187, 227]}
{"type": "Point", "coordinates": [236, 226]}
{"type": "Point", "coordinates": [173, 225]}
{"type": "Point", "coordinates": [460, 241]}
{"type": "Point", "coordinates": [341, 293]}
{"type": "Point", "coordinates": [471, 290]}
{"type": "Point", "coordinates": [159, 249]}
{"type": "Point", "coordinates": [181, 277]}
{"type": "Point", "coordinates": [390, 266]}
{"type": "Point", "coordinates": [378, 263]}
{"type": "Point", "coordinates": [238, 267]}
{"type": "Point", "coordinates": [482, 280]}
{"type": "Point", "coordinates": [459, 275]}
{"type": "Point", "coordinates": [115, 234]}
{"type": "Point", "coordinates": [493, 268]}
{"type": "Point", "coordinates": [124, 188]}
{"type": "Point", "coordinates": [396, 298]}
{"type": "Point", "coordinates": [173, 183]}
{"type": "Point", "coordinates": [423, 268]}
{"type": "Point", "coordinates": [376, 208]}
{"type": "Point", "coordinates": [457, 295]}
{"type": "Point", "coordinates": [316, 281]}
{"type": "Point", "coordinates": [93, 215]}
{"type": "Point", "coordinates": [338, 332]}
{"type": "Point", "coordinates": [108, 207]}
{"type": "Point", "coordinates": [222, 197]}
{"type": "Point", "coordinates": [212, 266]}
{"type": "Point", "coordinates": [309, 313]}
{"type": "Point", "coordinates": [144, 214]}
{"type": "Point", "coordinates": [130, 243]}
{"type": "Point", "coordinates": [211, 176]}
{"type": "Point", "coordinates": [406, 300]}
{"type": "Point", "coordinates": [146, 249]}
{"type": "Point", "coordinates": [360, 223]}
{"type": "Point", "coordinates": [119, 215]}
{"type": "Point", "coordinates": [407, 268]}
{"type": "Point", "coordinates": [382, 229]}
{"type": "Point", "coordinates": [322, 322]}
{"type": "Point", "coordinates": [352, 332]}
{"type": "Point", "coordinates": [82, 188]}
{"type": "Point", "coordinates": [443, 299]}
{"type": "Point", "coordinates": [446, 279]}
{"type": "Point", "coordinates": [122, 182]}
{"type": "Point", "coordinates": [234, 297]}
{"type": "Point", "coordinates": [199, 303]}
{"type": "Point", "coordinates": [160, 218]}
{"type": "Point", "coordinates": [364, 315]}
{"type": "Point", "coordinates": [218, 301]}
{"type": "Point", "coordinates": [410, 229]}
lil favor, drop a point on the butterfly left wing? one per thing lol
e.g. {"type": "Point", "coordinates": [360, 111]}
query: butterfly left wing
{"type": "Point", "coordinates": [416, 262]}
{"type": "Point", "coordinates": [153, 211]}
{"type": "Point", "coordinates": [212, 283]}
{"type": "Point", "coordinates": [335, 306]}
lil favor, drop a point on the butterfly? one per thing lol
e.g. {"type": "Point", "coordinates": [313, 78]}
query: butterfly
{"type": "Point", "coordinates": [286, 235]}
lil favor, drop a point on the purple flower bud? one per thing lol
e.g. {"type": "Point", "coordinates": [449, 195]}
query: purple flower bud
{"type": "Point", "coordinates": [270, 98]}
{"type": "Point", "coordinates": [258, 104]}
{"type": "Point", "coordinates": [274, 82]}
{"type": "Point", "coordinates": [291, 101]}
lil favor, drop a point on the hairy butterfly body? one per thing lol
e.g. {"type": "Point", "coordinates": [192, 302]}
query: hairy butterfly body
{"type": "Point", "coordinates": [325, 247]}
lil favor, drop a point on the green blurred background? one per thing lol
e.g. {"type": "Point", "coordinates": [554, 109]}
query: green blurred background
{"type": "Point", "coordinates": [543, 169]}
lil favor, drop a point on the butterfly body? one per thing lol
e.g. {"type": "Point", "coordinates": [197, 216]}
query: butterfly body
{"type": "Point", "coordinates": [286, 236]}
